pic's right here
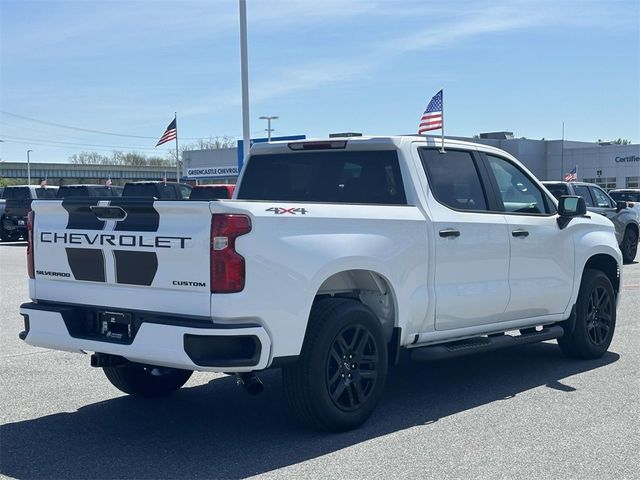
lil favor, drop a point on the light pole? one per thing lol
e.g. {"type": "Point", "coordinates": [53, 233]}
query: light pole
{"type": "Point", "coordinates": [28, 167]}
{"type": "Point", "coordinates": [244, 69]}
{"type": "Point", "coordinates": [269, 129]}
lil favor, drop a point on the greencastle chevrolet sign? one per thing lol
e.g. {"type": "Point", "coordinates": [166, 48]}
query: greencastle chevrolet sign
{"type": "Point", "coordinates": [212, 172]}
{"type": "Point", "coordinates": [629, 159]}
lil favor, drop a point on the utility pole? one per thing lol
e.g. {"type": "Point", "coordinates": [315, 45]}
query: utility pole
{"type": "Point", "coordinates": [269, 129]}
{"type": "Point", "coordinates": [29, 167]}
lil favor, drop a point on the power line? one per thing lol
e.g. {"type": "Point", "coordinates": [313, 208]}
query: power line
{"type": "Point", "coordinates": [55, 142]}
{"type": "Point", "coordinates": [80, 129]}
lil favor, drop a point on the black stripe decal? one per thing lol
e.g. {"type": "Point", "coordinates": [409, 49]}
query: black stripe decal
{"type": "Point", "coordinates": [80, 215]}
{"type": "Point", "coordinates": [86, 264]}
{"type": "Point", "coordinates": [135, 268]}
{"type": "Point", "coordinates": [141, 216]}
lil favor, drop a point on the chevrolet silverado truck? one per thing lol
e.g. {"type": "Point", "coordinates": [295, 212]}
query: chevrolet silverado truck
{"type": "Point", "coordinates": [333, 258]}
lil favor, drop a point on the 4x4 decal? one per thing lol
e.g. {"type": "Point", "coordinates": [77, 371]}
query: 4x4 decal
{"type": "Point", "coordinates": [282, 210]}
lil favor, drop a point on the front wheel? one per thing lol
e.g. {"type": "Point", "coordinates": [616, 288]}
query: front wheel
{"type": "Point", "coordinates": [629, 245]}
{"type": "Point", "coordinates": [146, 380]}
{"type": "Point", "coordinates": [339, 377]}
{"type": "Point", "coordinates": [595, 319]}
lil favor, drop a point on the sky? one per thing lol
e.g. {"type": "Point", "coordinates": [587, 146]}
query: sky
{"type": "Point", "coordinates": [122, 68]}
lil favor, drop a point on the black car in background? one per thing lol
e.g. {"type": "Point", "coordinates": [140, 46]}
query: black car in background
{"type": "Point", "coordinates": [18, 198]}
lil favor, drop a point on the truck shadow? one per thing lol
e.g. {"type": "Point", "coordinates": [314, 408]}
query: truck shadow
{"type": "Point", "coordinates": [217, 431]}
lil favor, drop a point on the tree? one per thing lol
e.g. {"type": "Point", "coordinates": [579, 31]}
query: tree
{"type": "Point", "coordinates": [120, 158]}
{"type": "Point", "coordinates": [619, 141]}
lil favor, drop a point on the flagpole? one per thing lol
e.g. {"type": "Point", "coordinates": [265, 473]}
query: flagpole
{"type": "Point", "coordinates": [175, 118]}
{"type": "Point", "coordinates": [442, 129]}
{"type": "Point", "coordinates": [562, 156]}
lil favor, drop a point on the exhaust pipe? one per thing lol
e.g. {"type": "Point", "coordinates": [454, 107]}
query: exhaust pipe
{"type": "Point", "coordinates": [101, 360]}
{"type": "Point", "coordinates": [250, 382]}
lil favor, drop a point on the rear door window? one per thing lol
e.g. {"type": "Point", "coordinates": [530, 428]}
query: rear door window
{"type": "Point", "coordinates": [454, 179]}
{"type": "Point", "coordinates": [583, 192]}
{"type": "Point", "coordinates": [359, 177]}
{"type": "Point", "coordinates": [557, 190]}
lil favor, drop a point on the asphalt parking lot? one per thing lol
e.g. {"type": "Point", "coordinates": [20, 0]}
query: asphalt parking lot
{"type": "Point", "coordinates": [519, 413]}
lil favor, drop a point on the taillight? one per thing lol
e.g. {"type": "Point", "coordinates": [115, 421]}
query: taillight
{"type": "Point", "coordinates": [30, 265]}
{"type": "Point", "coordinates": [227, 265]}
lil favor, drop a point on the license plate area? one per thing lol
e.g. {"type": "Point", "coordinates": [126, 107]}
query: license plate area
{"type": "Point", "coordinates": [116, 326]}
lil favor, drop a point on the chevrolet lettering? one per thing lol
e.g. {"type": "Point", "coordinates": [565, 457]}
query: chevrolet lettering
{"type": "Point", "coordinates": [121, 240]}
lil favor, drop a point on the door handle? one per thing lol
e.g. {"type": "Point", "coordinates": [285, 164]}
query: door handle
{"type": "Point", "coordinates": [520, 233]}
{"type": "Point", "coordinates": [449, 232]}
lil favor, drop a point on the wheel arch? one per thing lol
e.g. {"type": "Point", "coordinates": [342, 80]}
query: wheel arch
{"type": "Point", "coordinates": [606, 264]}
{"type": "Point", "coordinates": [369, 287]}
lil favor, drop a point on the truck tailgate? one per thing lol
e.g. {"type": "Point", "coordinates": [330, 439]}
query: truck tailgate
{"type": "Point", "coordinates": [128, 253]}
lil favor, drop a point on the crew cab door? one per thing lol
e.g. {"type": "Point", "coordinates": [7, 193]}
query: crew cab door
{"type": "Point", "coordinates": [471, 243]}
{"type": "Point", "coordinates": [542, 255]}
{"type": "Point", "coordinates": [604, 205]}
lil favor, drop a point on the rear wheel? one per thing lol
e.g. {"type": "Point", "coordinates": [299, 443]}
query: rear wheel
{"type": "Point", "coordinates": [4, 234]}
{"type": "Point", "coordinates": [595, 318]}
{"type": "Point", "coordinates": [629, 245]}
{"type": "Point", "coordinates": [147, 380]}
{"type": "Point", "coordinates": [338, 380]}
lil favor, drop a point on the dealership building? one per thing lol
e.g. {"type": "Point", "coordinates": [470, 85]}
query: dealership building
{"type": "Point", "coordinates": [606, 164]}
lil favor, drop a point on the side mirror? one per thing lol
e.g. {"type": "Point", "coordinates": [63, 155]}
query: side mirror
{"type": "Point", "coordinates": [571, 206]}
{"type": "Point", "coordinates": [620, 206]}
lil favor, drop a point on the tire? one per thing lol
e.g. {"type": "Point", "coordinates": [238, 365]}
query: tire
{"type": "Point", "coordinates": [629, 245]}
{"type": "Point", "coordinates": [146, 380]}
{"type": "Point", "coordinates": [339, 377]}
{"type": "Point", "coordinates": [4, 234]}
{"type": "Point", "coordinates": [595, 320]}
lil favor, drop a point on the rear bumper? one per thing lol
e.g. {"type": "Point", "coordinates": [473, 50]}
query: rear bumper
{"type": "Point", "coordinates": [212, 347]}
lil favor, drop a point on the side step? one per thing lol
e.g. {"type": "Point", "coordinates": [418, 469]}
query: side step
{"type": "Point", "coordinates": [482, 344]}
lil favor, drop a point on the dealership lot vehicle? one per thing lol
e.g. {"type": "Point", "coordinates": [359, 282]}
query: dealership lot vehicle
{"type": "Point", "coordinates": [211, 192]}
{"type": "Point", "coordinates": [18, 198]}
{"type": "Point", "coordinates": [88, 190]}
{"type": "Point", "coordinates": [335, 257]}
{"type": "Point", "coordinates": [629, 195]}
{"type": "Point", "coordinates": [159, 190]}
{"type": "Point", "coordinates": [624, 218]}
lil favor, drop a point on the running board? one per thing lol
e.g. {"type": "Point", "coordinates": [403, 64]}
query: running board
{"type": "Point", "coordinates": [482, 344]}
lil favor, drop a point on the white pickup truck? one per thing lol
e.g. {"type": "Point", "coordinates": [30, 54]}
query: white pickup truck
{"type": "Point", "coordinates": [333, 258]}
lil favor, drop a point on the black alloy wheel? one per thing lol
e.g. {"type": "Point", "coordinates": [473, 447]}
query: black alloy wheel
{"type": "Point", "coordinates": [591, 332]}
{"type": "Point", "coordinates": [339, 376]}
{"type": "Point", "coordinates": [352, 367]}
{"type": "Point", "coordinates": [599, 308]}
{"type": "Point", "coordinates": [629, 245]}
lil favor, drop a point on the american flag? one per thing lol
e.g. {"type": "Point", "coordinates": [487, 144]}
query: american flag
{"type": "Point", "coordinates": [432, 116]}
{"type": "Point", "coordinates": [572, 175]}
{"type": "Point", "coordinates": [169, 134]}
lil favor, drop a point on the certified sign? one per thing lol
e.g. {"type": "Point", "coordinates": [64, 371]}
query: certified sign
{"type": "Point", "coordinates": [212, 172]}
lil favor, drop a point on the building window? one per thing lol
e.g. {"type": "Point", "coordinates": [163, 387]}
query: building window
{"type": "Point", "coordinates": [606, 183]}
{"type": "Point", "coordinates": [633, 182]}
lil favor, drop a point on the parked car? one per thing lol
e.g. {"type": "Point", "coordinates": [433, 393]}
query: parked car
{"type": "Point", "coordinates": [88, 190]}
{"type": "Point", "coordinates": [13, 223]}
{"type": "Point", "coordinates": [157, 190]}
{"type": "Point", "coordinates": [624, 219]}
{"type": "Point", "coordinates": [212, 192]}
{"type": "Point", "coordinates": [629, 195]}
